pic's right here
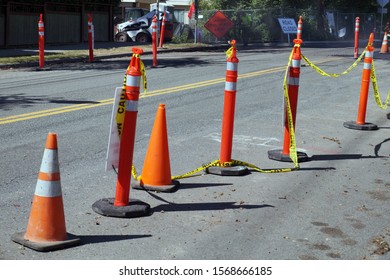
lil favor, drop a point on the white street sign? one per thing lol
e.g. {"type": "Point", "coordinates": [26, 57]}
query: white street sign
{"type": "Point", "coordinates": [383, 3]}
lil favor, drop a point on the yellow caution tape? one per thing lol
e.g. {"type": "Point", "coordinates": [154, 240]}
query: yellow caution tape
{"type": "Point", "coordinates": [120, 114]}
{"type": "Point", "coordinates": [233, 162]}
{"type": "Point", "coordinates": [143, 73]}
{"type": "Point", "coordinates": [378, 99]}
{"type": "Point", "coordinates": [134, 173]}
{"type": "Point", "coordinates": [196, 170]}
{"type": "Point", "coordinates": [323, 73]}
{"type": "Point", "coordinates": [229, 52]}
{"type": "Point", "coordinates": [218, 163]}
{"type": "Point", "coordinates": [185, 175]}
{"type": "Point", "coordinates": [254, 167]}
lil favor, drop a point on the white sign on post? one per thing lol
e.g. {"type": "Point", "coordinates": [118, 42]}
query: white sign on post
{"type": "Point", "coordinates": [112, 158]}
{"type": "Point", "coordinates": [383, 3]}
{"type": "Point", "coordinates": [288, 25]}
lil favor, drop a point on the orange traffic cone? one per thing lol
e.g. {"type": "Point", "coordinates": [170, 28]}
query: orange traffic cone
{"type": "Point", "coordinates": [156, 174]}
{"type": "Point", "coordinates": [46, 226]}
{"type": "Point", "coordinates": [385, 46]}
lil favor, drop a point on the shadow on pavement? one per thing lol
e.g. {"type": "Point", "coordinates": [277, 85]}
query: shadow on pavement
{"type": "Point", "coordinates": [7, 102]}
{"type": "Point", "coordinates": [207, 206]}
{"type": "Point", "coordinates": [93, 239]}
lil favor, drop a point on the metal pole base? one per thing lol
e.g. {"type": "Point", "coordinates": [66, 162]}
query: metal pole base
{"type": "Point", "coordinates": [228, 171]}
{"type": "Point", "coordinates": [279, 156]}
{"type": "Point", "coordinates": [46, 246]}
{"type": "Point", "coordinates": [135, 208]}
{"type": "Point", "coordinates": [165, 188]}
{"type": "Point", "coordinates": [366, 126]}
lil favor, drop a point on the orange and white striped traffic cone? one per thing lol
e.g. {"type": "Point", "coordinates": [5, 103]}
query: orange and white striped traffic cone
{"type": "Point", "coordinates": [46, 229]}
{"type": "Point", "coordinates": [385, 46]}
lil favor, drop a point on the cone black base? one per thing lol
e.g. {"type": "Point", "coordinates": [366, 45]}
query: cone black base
{"type": "Point", "coordinates": [165, 188]}
{"type": "Point", "coordinates": [279, 156]}
{"type": "Point", "coordinates": [228, 171]}
{"type": "Point", "coordinates": [47, 246]}
{"type": "Point", "coordinates": [135, 208]}
{"type": "Point", "coordinates": [366, 126]}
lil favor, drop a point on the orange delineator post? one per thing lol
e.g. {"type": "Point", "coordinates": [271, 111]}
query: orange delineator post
{"type": "Point", "coordinates": [356, 45]}
{"type": "Point", "coordinates": [122, 206]}
{"type": "Point", "coordinates": [90, 37]}
{"type": "Point", "coordinates": [154, 40]}
{"type": "Point", "coordinates": [46, 230]}
{"type": "Point", "coordinates": [229, 106]}
{"type": "Point", "coordinates": [228, 116]}
{"type": "Point", "coordinates": [41, 43]}
{"type": "Point", "coordinates": [360, 123]}
{"type": "Point", "coordinates": [126, 149]}
{"type": "Point", "coordinates": [299, 30]}
{"type": "Point", "coordinates": [162, 33]}
{"type": "Point", "coordinates": [292, 87]}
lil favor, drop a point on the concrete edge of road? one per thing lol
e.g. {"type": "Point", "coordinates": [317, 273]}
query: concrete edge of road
{"type": "Point", "coordinates": [97, 58]}
{"type": "Point", "coordinates": [148, 51]}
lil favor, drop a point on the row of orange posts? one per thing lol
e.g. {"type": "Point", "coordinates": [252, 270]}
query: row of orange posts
{"type": "Point", "coordinates": [91, 39]}
{"type": "Point", "coordinates": [41, 40]}
{"type": "Point", "coordinates": [46, 228]}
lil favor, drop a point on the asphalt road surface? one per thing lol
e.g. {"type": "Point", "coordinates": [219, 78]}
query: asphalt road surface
{"type": "Point", "coordinates": [334, 207]}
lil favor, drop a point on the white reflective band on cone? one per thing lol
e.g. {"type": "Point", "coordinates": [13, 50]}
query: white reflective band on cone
{"type": "Point", "coordinates": [230, 86]}
{"type": "Point", "coordinates": [131, 106]}
{"type": "Point", "coordinates": [231, 66]}
{"type": "Point", "coordinates": [367, 66]}
{"type": "Point", "coordinates": [50, 161]}
{"type": "Point", "coordinates": [293, 81]}
{"type": "Point", "coordinates": [369, 54]}
{"type": "Point", "coordinates": [40, 24]}
{"type": "Point", "coordinates": [41, 33]}
{"type": "Point", "coordinates": [296, 63]}
{"type": "Point", "coordinates": [48, 188]}
{"type": "Point", "coordinates": [133, 81]}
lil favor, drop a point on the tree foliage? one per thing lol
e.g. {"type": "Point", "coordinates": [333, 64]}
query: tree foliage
{"type": "Point", "coordinates": [320, 5]}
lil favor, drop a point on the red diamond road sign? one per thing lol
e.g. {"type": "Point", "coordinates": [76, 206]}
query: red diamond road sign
{"type": "Point", "coordinates": [219, 24]}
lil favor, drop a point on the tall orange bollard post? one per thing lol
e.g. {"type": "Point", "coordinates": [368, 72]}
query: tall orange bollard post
{"type": "Point", "coordinates": [162, 33]}
{"type": "Point", "coordinates": [154, 40]}
{"type": "Point", "coordinates": [90, 38]}
{"type": "Point", "coordinates": [46, 229]}
{"type": "Point", "coordinates": [385, 45]}
{"type": "Point", "coordinates": [122, 206]}
{"type": "Point", "coordinates": [360, 123]}
{"type": "Point", "coordinates": [41, 43]}
{"type": "Point", "coordinates": [356, 45]}
{"type": "Point", "coordinates": [293, 87]}
{"type": "Point", "coordinates": [299, 29]}
{"type": "Point", "coordinates": [228, 119]}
